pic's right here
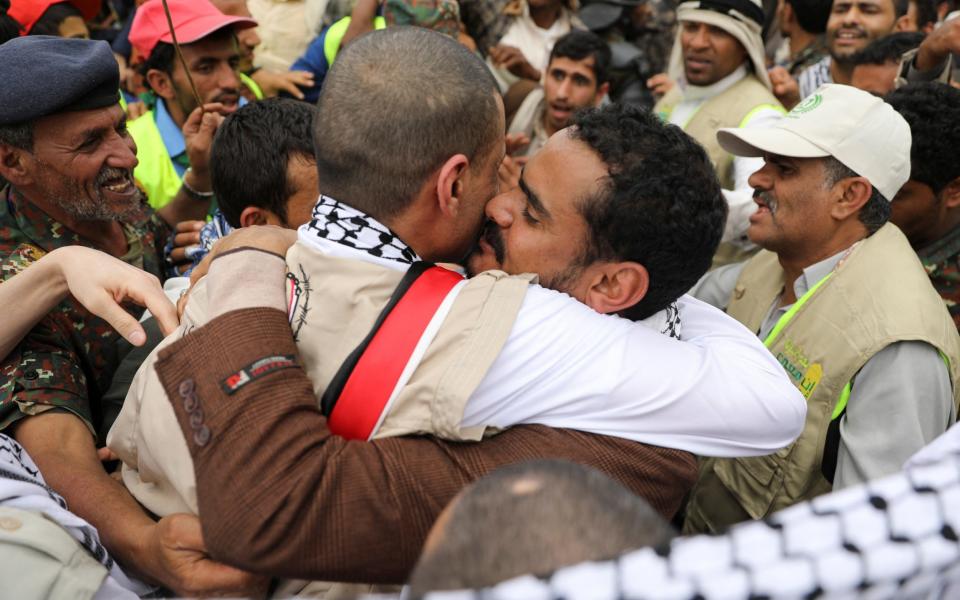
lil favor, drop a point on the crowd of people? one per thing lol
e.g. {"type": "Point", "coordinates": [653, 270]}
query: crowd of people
{"type": "Point", "coordinates": [518, 298]}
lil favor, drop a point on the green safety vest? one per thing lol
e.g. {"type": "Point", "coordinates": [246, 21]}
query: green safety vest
{"type": "Point", "coordinates": [331, 44]}
{"type": "Point", "coordinates": [155, 171]}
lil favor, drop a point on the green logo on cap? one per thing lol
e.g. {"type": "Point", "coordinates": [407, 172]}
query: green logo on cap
{"type": "Point", "coordinates": [806, 106]}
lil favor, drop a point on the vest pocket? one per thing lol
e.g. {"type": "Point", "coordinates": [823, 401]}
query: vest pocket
{"type": "Point", "coordinates": [753, 482]}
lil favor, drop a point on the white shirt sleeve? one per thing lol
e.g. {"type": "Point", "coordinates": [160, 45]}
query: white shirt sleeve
{"type": "Point", "coordinates": [719, 392]}
{"type": "Point", "coordinates": [740, 198]}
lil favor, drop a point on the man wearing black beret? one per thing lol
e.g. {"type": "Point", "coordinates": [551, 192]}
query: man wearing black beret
{"type": "Point", "coordinates": [66, 153]}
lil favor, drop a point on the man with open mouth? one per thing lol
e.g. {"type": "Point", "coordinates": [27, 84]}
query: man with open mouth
{"type": "Point", "coordinates": [721, 80]}
{"type": "Point", "coordinates": [69, 159]}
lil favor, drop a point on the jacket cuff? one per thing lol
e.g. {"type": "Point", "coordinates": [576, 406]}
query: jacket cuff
{"type": "Point", "coordinates": [201, 371]}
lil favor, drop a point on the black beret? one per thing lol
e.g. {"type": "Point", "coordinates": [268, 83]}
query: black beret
{"type": "Point", "coordinates": [44, 75]}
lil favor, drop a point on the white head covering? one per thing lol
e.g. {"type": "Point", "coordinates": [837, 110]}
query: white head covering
{"type": "Point", "coordinates": [743, 19]}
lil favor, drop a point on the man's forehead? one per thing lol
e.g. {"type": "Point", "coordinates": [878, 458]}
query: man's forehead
{"type": "Point", "coordinates": [218, 44]}
{"type": "Point", "coordinates": [65, 125]}
{"type": "Point", "coordinates": [565, 62]}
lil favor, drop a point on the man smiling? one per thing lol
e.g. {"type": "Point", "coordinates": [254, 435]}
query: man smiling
{"type": "Point", "coordinates": [65, 149]}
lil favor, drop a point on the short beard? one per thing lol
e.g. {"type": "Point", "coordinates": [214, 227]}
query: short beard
{"type": "Point", "coordinates": [76, 203]}
{"type": "Point", "coordinates": [564, 280]}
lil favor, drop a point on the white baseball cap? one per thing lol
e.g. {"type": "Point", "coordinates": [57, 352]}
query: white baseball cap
{"type": "Point", "coordinates": [855, 127]}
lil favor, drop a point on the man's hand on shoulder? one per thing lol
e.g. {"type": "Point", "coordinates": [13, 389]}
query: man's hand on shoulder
{"type": "Point", "coordinates": [179, 561]}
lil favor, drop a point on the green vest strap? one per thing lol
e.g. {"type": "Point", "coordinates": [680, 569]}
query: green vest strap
{"type": "Point", "coordinates": [749, 116]}
{"type": "Point", "coordinates": [331, 44]}
{"type": "Point", "coordinates": [252, 85]}
{"type": "Point", "coordinates": [155, 171]}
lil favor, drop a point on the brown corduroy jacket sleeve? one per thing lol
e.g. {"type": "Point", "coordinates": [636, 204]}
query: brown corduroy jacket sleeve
{"type": "Point", "coordinates": [279, 494]}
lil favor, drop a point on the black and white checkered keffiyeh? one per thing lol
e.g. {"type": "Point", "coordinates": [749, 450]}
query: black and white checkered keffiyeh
{"type": "Point", "coordinates": [337, 222]}
{"type": "Point", "coordinates": [23, 487]}
{"type": "Point", "coordinates": [891, 538]}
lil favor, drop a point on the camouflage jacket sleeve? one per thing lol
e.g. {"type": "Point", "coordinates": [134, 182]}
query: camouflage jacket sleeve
{"type": "Point", "coordinates": [43, 372]}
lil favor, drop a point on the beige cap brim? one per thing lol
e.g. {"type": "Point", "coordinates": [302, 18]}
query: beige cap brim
{"type": "Point", "coordinates": [757, 142]}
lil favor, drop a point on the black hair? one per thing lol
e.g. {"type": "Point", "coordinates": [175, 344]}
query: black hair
{"type": "Point", "coordinates": [18, 135]}
{"type": "Point", "coordinates": [876, 212]}
{"type": "Point", "coordinates": [661, 205]}
{"type": "Point", "coordinates": [9, 28]}
{"type": "Point", "coordinates": [926, 12]}
{"type": "Point", "coordinates": [888, 49]}
{"type": "Point", "coordinates": [578, 45]}
{"type": "Point", "coordinates": [49, 22]}
{"type": "Point", "coordinates": [933, 112]}
{"type": "Point", "coordinates": [900, 7]}
{"type": "Point", "coordinates": [812, 15]}
{"type": "Point", "coordinates": [396, 105]}
{"type": "Point", "coordinates": [248, 160]}
{"type": "Point", "coordinates": [551, 514]}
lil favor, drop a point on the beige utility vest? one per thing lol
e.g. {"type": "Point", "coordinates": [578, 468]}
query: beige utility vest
{"type": "Point", "coordinates": [334, 303]}
{"type": "Point", "coordinates": [733, 107]}
{"type": "Point", "coordinates": [345, 299]}
{"type": "Point", "coordinates": [876, 296]}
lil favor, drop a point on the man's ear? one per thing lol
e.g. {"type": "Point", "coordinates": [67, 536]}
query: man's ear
{"type": "Point", "coordinates": [601, 92]}
{"type": "Point", "coordinates": [950, 195]}
{"type": "Point", "coordinates": [450, 184]}
{"type": "Point", "coordinates": [904, 23]}
{"type": "Point", "coordinates": [615, 287]}
{"type": "Point", "coordinates": [161, 83]}
{"type": "Point", "coordinates": [13, 165]}
{"type": "Point", "coordinates": [254, 215]}
{"type": "Point", "coordinates": [854, 193]}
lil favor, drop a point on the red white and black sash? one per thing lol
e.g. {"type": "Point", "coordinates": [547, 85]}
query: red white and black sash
{"type": "Point", "coordinates": [366, 385]}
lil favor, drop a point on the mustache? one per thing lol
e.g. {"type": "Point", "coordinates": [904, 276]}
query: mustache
{"type": "Point", "coordinates": [491, 235]}
{"type": "Point", "coordinates": [227, 96]}
{"type": "Point", "coordinates": [767, 199]}
{"type": "Point", "coordinates": [107, 174]}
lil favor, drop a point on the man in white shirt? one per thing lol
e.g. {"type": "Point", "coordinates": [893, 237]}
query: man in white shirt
{"type": "Point", "coordinates": [721, 81]}
{"type": "Point", "coordinates": [502, 352]}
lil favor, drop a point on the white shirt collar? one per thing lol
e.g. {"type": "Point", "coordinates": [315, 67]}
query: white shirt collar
{"type": "Point", "coordinates": [703, 92]}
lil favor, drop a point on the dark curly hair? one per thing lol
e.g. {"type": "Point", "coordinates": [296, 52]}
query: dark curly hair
{"type": "Point", "coordinates": [933, 112]}
{"type": "Point", "coordinates": [661, 205]}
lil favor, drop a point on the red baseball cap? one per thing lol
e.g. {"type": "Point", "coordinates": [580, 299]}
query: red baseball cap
{"type": "Point", "coordinates": [27, 12]}
{"type": "Point", "coordinates": [193, 20]}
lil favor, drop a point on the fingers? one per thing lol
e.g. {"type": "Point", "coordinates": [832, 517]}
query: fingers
{"type": "Point", "coordinates": [165, 312]}
{"type": "Point", "coordinates": [182, 254]}
{"type": "Point", "coordinates": [147, 292]}
{"type": "Point", "coordinates": [516, 141]}
{"type": "Point", "coordinates": [111, 312]}
{"type": "Point", "coordinates": [184, 226]}
{"type": "Point", "coordinates": [106, 455]}
{"type": "Point", "coordinates": [190, 238]}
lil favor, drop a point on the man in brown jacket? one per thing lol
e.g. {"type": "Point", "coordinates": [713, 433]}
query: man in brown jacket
{"type": "Point", "coordinates": [387, 492]}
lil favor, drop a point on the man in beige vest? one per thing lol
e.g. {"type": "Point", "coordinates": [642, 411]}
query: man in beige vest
{"type": "Point", "coordinates": [721, 81]}
{"type": "Point", "coordinates": [841, 300]}
{"type": "Point", "coordinates": [496, 351]}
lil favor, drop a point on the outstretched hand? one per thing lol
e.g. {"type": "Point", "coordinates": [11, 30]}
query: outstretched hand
{"type": "Point", "coordinates": [100, 283]}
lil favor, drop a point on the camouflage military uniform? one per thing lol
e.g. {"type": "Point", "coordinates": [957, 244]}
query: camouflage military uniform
{"type": "Point", "coordinates": [941, 259]}
{"type": "Point", "coordinates": [67, 360]}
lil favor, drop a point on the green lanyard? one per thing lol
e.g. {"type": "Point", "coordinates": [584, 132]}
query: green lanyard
{"type": "Point", "coordinates": [786, 318]}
